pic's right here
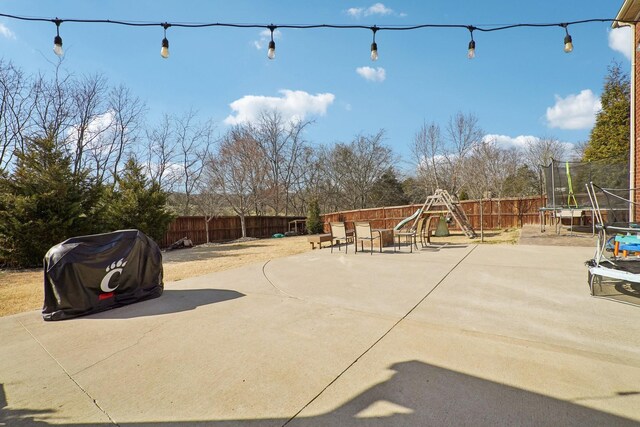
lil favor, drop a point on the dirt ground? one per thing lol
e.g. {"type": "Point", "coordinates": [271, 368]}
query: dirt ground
{"type": "Point", "coordinates": [23, 290]}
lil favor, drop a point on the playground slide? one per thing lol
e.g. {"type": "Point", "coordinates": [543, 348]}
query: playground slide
{"type": "Point", "coordinates": [407, 220]}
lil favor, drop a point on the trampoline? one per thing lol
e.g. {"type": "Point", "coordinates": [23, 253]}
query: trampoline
{"type": "Point", "coordinates": [565, 185]}
{"type": "Point", "coordinates": [614, 271]}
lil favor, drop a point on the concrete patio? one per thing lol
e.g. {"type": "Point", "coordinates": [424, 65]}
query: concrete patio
{"type": "Point", "coordinates": [465, 335]}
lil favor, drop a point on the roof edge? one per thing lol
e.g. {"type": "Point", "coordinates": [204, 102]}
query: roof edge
{"type": "Point", "coordinates": [629, 11]}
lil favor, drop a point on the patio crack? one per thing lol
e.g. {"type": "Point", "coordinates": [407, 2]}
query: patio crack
{"type": "Point", "coordinates": [138, 341]}
{"type": "Point", "coordinates": [86, 393]}
{"type": "Point", "coordinates": [264, 274]}
{"type": "Point", "coordinates": [411, 310]}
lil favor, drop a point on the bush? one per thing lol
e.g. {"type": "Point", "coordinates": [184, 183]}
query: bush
{"type": "Point", "coordinates": [139, 204]}
{"type": "Point", "coordinates": [43, 203]}
{"type": "Point", "coordinates": [314, 224]}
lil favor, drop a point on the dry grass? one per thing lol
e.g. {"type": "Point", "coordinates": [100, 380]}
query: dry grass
{"type": "Point", "coordinates": [506, 236]}
{"type": "Point", "coordinates": [23, 290]}
{"type": "Point", "coordinates": [185, 263]}
{"type": "Point", "coordinates": [20, 291]}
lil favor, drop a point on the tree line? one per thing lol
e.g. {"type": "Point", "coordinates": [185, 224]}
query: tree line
{"type": "Point", "coordinates": [79, 156]}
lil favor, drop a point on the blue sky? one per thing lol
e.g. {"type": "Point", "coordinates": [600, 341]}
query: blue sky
{"type": "Point", "coordinates": [521, 83]}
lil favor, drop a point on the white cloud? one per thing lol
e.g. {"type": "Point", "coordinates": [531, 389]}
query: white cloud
{"type": "Point", "coordinates": [372, 74]}
{"type": "Point", "coordinates": [521, 142]}
{"type": "Point", "coordinates": [620, 40]}
{"type": "Point", "coordinates": [375, 9]}
{"type": "Point", "coordinates": [293, 105]}
{"type": "Point", "coordinates": [378, 9]}
{"type": "Point", "coordinates": [356, 12]}
{"type": "Point", "coordinates": [265, 38]}
{"type": "Point", "coordinates": [6, 32]}
{"type": "Point", "coordinates": [574, 112]}
{"type": "Point", "coordinates": [96, 127]}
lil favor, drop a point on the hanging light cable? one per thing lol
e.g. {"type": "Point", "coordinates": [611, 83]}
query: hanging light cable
{"type": "Point", "coordinates": [471, 53]}
{"type": "Point", "coordinates": [57, 40]}
{"type": "Point", "coordinates": [374, 45]}
{"type": "Point", "coordinates": [568, 43]}
{"type": "Point", "coordinates": [271, 52]}
{"type": "Point", "coordinates": [164, 50]}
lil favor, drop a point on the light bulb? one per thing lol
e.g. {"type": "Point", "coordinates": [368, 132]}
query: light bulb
{"type": "Point", "coordinates": [164, 51]}
{"type": "Point", "coordinates": [374, 51]}
{"type": "Point", "coordinates": [57, 46]}
{"type": "Point", "coordinates": [568, 44]}
{"type": "Point", "coordinates": [472, 50]}
{"type": "Point", "coordinates": [271, 53]}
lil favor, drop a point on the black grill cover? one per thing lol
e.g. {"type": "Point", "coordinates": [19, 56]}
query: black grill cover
{"type": "Point", "coordinates": [88, 274]}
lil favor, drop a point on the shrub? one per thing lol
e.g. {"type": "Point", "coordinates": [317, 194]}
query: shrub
{"type": "Point", "coordinates": [314, 224]}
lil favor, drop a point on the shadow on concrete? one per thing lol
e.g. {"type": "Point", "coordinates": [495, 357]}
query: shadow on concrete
{"type": "Point", "coordinates": [171, 301]}
{"type": "Point", "coordinates": [618, 290]}
{"type": "Point", "coordinates": [418, 394]}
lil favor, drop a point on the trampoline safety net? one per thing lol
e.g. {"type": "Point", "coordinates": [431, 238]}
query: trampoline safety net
{"type": "Point", "coordinates": [566, 181]}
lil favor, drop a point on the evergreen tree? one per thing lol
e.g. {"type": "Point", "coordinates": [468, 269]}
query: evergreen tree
{"type": "Point", "coordinates": [314, 225]}
{"type": "Point", "coordinates": [388, 191]}
{"type": "Point", "coordinates": [139, 204]}
{"type": "Point", "coordinates": [610, 135]}
{"type": "Point", "coordinates": [415, 190]}
{"type": "Point", "coordinates": [523, 183]}
{"type": "Point", "coordinates": [42, 203]}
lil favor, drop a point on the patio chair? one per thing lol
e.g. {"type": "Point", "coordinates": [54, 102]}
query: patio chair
{"type": "Point", "coordinates": [339, 234]}
{"type": "Point", "coordinates": [364, 232]}
{"type": "Point", "coordinates": [408, 234]}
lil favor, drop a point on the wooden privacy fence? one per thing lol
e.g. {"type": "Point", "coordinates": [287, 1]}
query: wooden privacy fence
{"type": "Point", "coordinates": [503, 213]}
{"type": "Point", "coordinates": [224, 228]}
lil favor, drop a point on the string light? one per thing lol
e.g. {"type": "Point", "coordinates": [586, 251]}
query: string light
{"type": "Point", "coordinates": [568, 42]}
{"type": "Point", "coordinates": [471, 53]}
{"type": "Point", "coordinates": [271, 52]}
{"type": "Point", "coordinates": [57, 40]}
{"type": "Point", "coordinates": [164, 50]}
{"type": "Point", "coordinates": [374, 45]}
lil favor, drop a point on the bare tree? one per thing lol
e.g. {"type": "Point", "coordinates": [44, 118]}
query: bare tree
{"type": "Point", "coordinates": [87, 109]}
{"type": "Point", "coordinates": [16, 107]}
{"type": "Point", "coordinates": [128, 111]}
{"type": "Point", "coordinates": [238, 173]}
{"type": "Point", "coordinates": [540, 151]}
{"type": "Point", "coordinates": [161, 152]}
{"type": "Point", "coordinates": [281, 143]}
{"type": "Point", "coordinates": [121, 122]}
{"type": "Point", "coordinates": [463, 134]}
{"type": "Point", "coordinates": [194, 143]}
{"type": "Point", "coordinates": [208, 201]}
{"type": "Point", "coordinates": [326, 185]}
{"type": "Point", "coordinates": [488, 167]}
{"type": "Point", "coordinates": [355, 167]}
{"type": "Point", "coordinates": [306, 182]}
{"type": "Point", "coordinates": [52, 109]}
{"type": "Point", "coordinates": [427, 149]}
